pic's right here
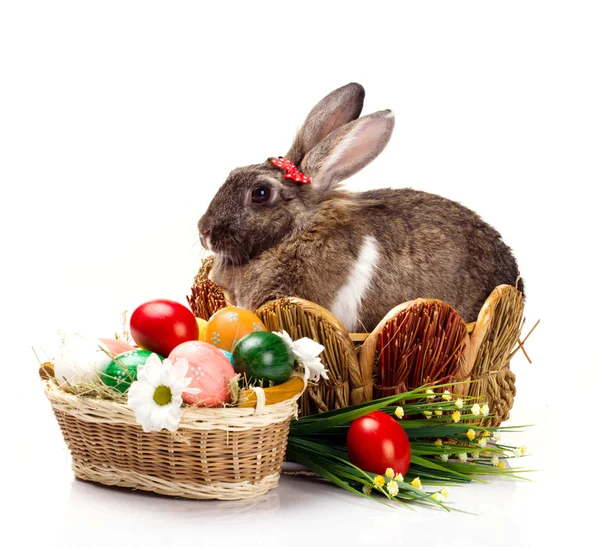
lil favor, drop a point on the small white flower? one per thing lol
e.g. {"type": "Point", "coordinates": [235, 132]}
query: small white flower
{"type": "Point", "coordinates": [482, 442]}
{"type": "Point", "coordinates": [446, 396]}
{"type": "Point", "coordinates": [306, 352]}
{"type": "Point", "coordinates": [495, 461]}
{"type": "Point", "coordinates": [430, 394]}
{"type": "Point", "coordinates": [463, 457]}
{"type": "Point", "coordinates": [399, 412]}
{"type": "Point", "coordinates": [392, 488]}
{"type": "Point", "coordinates": [367, 489]}
{"type": "Point", "coordinates": [497, 436]}
{"type": "Point", "coordinates": [444, 457]}
{"type": "Point", "coordinates": [476, 409]}
{"type": "Point", "coordinates": [389, 473]}
{"type": "Point", "coordinates": [156, 395]}
{"type": "Point", "coordinates": [475, 455]}
{"type": "Point", "coordinates": [485, 409]}
{"type": "Point", "coordinates": [458, 403]}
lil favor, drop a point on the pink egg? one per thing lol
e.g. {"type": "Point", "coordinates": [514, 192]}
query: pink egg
{"type": "Point", "coordinates": [116, 347]}
{"type": "Point", "coordinates": [210, 371]}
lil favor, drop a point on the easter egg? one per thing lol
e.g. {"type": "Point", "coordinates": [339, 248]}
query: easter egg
{"type": "Point", "coordinates": [116, 347]}
{"type": "Point", "coordinates": [122, 370]}
{"type": "Point", "coordinates": [210, 372]}
{"type": "Point", "coordinates": [78, 358]}
{"type": "Point", "coordinates": [377, 442]}
{"type": "Point", "coordinates": [229, 325]}
{"type": "Point", "coordinates": [201, 328]}
{"type": "Point", "coordinates": [263, 357]}
{"type": "Point", "coordinates": [161, 325]}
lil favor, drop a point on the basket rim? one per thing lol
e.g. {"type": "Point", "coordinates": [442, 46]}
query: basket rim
{"type": "Point", "coordinates": [97, 410]}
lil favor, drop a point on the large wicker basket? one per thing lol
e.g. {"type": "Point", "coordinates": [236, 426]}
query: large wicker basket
{"type": "Point", "coordinates": [216, 453]}
{"type": "Point", "coordinates": [483, 349]}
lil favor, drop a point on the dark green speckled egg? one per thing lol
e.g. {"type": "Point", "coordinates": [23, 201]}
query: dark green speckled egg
{"type": "Point", "coordinates": [263, 357]}
{"type": "Point", "coordinates": [121, 372]}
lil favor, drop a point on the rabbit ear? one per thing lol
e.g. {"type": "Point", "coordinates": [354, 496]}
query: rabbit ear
{"type": "Point", "coordinates": [337, 109]}
{"type": "Point", "coordinates": [348, 149]}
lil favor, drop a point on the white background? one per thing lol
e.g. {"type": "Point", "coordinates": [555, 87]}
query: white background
{"type": "Point", "coordinates": [118, 122]}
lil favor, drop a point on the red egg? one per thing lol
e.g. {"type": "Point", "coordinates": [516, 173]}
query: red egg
{"type": "Point", "coordinates": [377, 442]}
{"type": "Point", "coordinates": [161, 325]}
{"type": "Point", "coordinates": [210, 372]}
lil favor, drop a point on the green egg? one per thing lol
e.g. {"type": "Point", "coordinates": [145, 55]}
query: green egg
{"type": "Point", "coordinates": [121, 372]}
{"type": "Point", "coordinates": [263, 357]}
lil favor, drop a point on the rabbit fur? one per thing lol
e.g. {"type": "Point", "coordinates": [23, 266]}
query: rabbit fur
{"type": "Point", "coordinates": [356, 254]}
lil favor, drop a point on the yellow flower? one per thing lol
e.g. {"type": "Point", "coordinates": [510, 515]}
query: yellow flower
{"type": "Point", "coordinates": [435, 496]}
{"type": "Point", "coordinates": [463, 457]}
{"type": "Point", "coordinates": [470, 434]}
{"type": "Point", "coordinates": [366, 490]}
{"type": "Point", "coordinates": [427, 414]}
{"type": "Point", "coordinates": [495, 461]}
{"type": "Point", "coordinates": [445, 492]}
{"type": "Point", "coordinates": [379, 481]}
{"type": "Point", "coordinates": [430, 394]}
{"type": "Point", "coordinates": [399, 412]}
{"type": "Point", "coordinates": [456, 416]}
{"type": "Point", "coordinates": [475, 455]}
{"type": "Point", "coordinates": [485, 409]}
{"type": "Point", "coordinates": [485, 433]}
{"type": "Point", "coordinates": [458, 403]}
{"type": "Point", "coordinates": [482, 442]}
{"type": "Point", "coordinates": [497, 437]}
{"type": "Point", "coordinates": [501, 465]}
{"type": "Point", "coordinates": [399, 477]}
{"type": "Point", "coordinates": [392, 488]}
{"type": "Point", "coordinates": [485, 453]}
{"type": "Point", "coordinates": [416, 483]}
{"type": "Point", "coordinates": [438, 412]}
{"type": "Point", "coordinates": [476, 409]}
{"type": "Point", "coordinates": [438, 443]}
{"type": "Point", "coordinates": [389, 473]}
{"type": "Point", "coordinates": [523, 450]}
{"type": "Point", "coordinates": [446, 396]}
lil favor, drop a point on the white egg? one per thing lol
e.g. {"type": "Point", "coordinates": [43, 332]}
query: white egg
{"type": "Point", "coordinates": [78, 358]}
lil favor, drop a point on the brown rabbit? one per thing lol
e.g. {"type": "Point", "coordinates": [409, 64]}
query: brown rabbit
{"type": "Point", "coordinates": [357, 254]}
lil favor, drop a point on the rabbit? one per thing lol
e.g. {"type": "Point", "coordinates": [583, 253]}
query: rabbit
{"type": "Point", "coordinates": [356, 254]}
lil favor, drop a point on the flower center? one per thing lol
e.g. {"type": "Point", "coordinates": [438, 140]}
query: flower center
{"type": "Point", "coordinates": [162, 395]}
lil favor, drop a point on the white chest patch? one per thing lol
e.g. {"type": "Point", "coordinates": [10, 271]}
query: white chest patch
{"type": "Point", "coordinates": [346, 305]}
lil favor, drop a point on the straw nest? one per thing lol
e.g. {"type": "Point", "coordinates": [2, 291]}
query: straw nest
{"type": "Point", "coordinates": [417, 342]}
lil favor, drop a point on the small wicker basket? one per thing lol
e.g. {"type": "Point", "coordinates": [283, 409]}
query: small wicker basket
{"type": "Point", "coordinates": [216, 453]}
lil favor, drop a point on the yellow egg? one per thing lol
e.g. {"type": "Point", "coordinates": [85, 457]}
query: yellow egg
{"type": "Point", "coordinates": [201, 328]}
{"type": "Point", "coordinates": [229, 325]}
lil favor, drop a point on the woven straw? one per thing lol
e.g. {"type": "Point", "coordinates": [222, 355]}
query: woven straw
{"type": "Point", "coordinates": [216, 453]}
{"type": "Point", "coordinates": [348, 383]}
{"type": "Point", "coordinates": [492, 344]}
{"type": "Point", "coordinates": [206, 298]}
{"type": "Point", "coordinates": [419, 342]}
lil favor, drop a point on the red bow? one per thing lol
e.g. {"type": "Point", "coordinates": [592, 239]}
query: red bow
{"type": "Point", "coordinates": [291, 171]}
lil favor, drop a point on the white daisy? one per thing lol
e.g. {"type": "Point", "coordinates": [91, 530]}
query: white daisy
{"type": "Point", "coordinates": [306, 352]}
{"type": "Point", "coordinates": [156, 395]}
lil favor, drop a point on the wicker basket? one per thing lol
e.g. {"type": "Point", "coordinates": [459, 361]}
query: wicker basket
{"type": "Point", "coordinates": [216, 453]}
{"type": "Point", "coordinates": [483, 357]}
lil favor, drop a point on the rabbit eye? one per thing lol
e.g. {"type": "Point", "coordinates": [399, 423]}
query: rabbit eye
{"type": "Point", "coordinates": [261, 193]}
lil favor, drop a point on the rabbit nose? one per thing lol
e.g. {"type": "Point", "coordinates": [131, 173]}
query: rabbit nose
{"type": "Point", "coordinates": [205, 238]}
